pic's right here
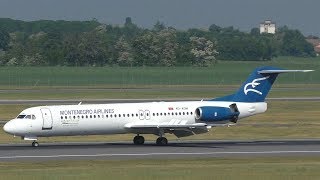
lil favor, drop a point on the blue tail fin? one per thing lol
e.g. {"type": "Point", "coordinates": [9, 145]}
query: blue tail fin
{"type": "Point", "coordinates": [257, 86]}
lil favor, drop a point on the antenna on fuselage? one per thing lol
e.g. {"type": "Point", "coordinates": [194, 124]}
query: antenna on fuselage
{"type": "Point", "coordinates": [80, 103]}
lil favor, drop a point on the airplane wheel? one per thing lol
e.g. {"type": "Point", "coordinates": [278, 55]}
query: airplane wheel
{"type": "Point", "coordinates": [162, 141]}
{"type": "Point", "coordinates": [35, 144]}
{"type": "Point", "coordinates": [138, 140]}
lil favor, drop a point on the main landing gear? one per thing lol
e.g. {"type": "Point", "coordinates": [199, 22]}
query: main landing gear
{"type": "Point", "coordinates": [162, 141]}
{"type": "Point", "coordinates": [35, 144]}
{"type": "Point", "coordinates": [138, 140]}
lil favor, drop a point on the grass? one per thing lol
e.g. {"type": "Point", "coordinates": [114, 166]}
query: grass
{"type": "Point", "coordinates": [280, 168]}
{"type": "Point", "coordinates": [224, 72]}
{"type": "Point", "coordinates": [283, 120]}
{"type": "Point", "coordinates": [155, 92]}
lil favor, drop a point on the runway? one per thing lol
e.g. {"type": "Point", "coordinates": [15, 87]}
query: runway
{"type": "Point", "coordinates": [176, 149]}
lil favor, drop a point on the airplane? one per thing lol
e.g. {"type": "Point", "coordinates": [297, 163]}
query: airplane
{"type": "Point", "coordinates": [184, 118]}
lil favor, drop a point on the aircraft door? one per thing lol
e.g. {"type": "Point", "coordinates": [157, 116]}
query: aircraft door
{"type": "Point", "coordinates": [141, 115]}
{"type": "Point", "coordinates": [147, 114]}
{"type": "Point", "coordinates": [47, 119]}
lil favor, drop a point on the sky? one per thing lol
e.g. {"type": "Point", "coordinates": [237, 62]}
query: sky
{"type": "Point", "coordinates": [181, 14]}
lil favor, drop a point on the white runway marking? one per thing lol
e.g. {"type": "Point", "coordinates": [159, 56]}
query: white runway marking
{"type": "Point", "coordinates": [157, 154]}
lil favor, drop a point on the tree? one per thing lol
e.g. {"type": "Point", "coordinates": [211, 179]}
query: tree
{"type": "Point", "coordinates": [125, 57]}
{"type": "Point", "coordinates": [255, 31]}
{"type": "Point", "coordinates": [203, 50]}
{"type": "Point", "coordinates": [215, 29]}
{"type": "Point", "coordinates": [4, 39]}
{"type": "Point", "coordinates": [293, 43]}
{"type": "Point", "coordinates": [86, 49]}
{"type": "Point", "coordinates": [156, 48]}
{"type": "Point", "coordinates": [159, 26]}
{"type": "Point", "coordinates": [168, 46]}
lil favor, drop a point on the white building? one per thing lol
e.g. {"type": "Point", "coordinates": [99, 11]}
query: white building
{"type": "Point", "coordinates": [268, 27]}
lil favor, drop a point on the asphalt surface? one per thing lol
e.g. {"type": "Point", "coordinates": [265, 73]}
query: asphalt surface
{"type": "Point", "coordinates": [175, 149]}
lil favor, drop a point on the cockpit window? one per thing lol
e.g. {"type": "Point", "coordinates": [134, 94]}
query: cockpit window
{"type": "Point", "coordinates": [21, 116]}
{"type": "Point", "coordinates": [26, 116]}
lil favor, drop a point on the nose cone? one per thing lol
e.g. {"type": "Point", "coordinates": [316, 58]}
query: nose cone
{"type": "Point", "coordinates": [9, 127]}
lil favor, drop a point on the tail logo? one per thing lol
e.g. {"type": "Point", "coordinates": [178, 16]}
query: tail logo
{"type": "Point", "coordinates": [254, 84]}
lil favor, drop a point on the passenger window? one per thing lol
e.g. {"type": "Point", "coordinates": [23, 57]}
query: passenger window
{"type": "Point", "coordinates": [61, 117]}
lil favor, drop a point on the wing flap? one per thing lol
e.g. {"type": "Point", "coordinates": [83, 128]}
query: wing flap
{"type": "Point", "coordinates": [165, 126]}
{"type": "Point", "coordinates": [179, 130]}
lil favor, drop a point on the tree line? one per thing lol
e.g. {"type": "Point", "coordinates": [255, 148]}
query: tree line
{"type": "Point", "coordinates": [90, 43]}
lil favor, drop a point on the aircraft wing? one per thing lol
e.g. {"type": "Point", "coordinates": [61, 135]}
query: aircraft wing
{"type": "Point", "coordinates": [178, 129]}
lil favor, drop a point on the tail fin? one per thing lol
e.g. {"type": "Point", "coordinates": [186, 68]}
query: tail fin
{"type": "Point", "coordinates": [257, 86]}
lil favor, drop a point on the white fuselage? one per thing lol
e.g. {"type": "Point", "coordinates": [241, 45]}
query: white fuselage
{"type": "Point", "coordinates": [97, 119]}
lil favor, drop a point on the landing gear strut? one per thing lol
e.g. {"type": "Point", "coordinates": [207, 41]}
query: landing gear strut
{"type": "Point", "coordinates": [162, 141]}
{"type": "Point", "coordinates": [138, 140]}
{"type": "Point", "coordinates": [35, 144]}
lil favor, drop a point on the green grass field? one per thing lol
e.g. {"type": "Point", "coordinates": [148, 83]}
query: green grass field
{"type": "Point", "coordinates": [224, 72]}
{"type": "Point", "coordinates": [280, 168]}
{"type": "Point", "coordinates": [165, 92]}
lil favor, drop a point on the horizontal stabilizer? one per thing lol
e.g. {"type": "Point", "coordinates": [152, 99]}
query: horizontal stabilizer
{"type": "Point", "coordinates": [281, 71]}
